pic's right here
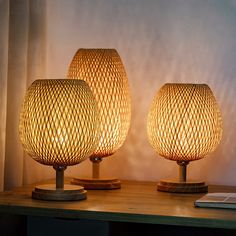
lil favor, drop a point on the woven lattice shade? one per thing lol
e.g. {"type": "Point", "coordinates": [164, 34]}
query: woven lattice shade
{"type": "Point", "coordinates": [184, 122]}
{"type": "Point", "coordinates": [59, 122]}
{"type": "Point", "coordinates": [103, 70]}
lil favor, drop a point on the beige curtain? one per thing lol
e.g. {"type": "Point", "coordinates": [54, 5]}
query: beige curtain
{"type": "Point", "coordinates": [22, 60]}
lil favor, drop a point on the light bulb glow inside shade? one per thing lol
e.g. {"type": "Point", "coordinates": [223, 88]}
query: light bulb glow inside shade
{"type": "Point", "coordinates": [59, 122]}
{"type": "Point", "coordinates": [103, 70]}
{"type": "Point", "coordinates": [184, 122]}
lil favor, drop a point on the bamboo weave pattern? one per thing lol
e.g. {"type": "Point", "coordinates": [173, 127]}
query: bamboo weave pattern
{"type": "Point", "coordinates": [103, 70]}
{"type": "Point", "coordinates": [59, 122]}
{"type": "Point", "coordinates": [184, 122]}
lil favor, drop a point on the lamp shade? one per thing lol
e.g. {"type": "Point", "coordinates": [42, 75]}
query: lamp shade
{"type": "Point", "coordinates": [59, 127]}
{"type": "Point", "coordinates": [184, 122]}
{"type": "Point", "coordinates": [103, 70]}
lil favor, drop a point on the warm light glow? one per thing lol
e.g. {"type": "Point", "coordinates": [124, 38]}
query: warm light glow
{"type": "Point", "coordinates": [59, 122]}
{"type": "Point", "coordinates": [184, 122]}
{"type": "Point", "coordinates": [103, 70]}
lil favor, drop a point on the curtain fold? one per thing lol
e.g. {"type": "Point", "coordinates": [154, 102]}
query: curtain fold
{"type": "Point", "coordinates": [4, 22]}
{"type": "Point", "coordinates": [16, 84]}
{"type": "Point", "coordinates": [22, 60]}
{"type": "Point", "coordinates": [36, 69]}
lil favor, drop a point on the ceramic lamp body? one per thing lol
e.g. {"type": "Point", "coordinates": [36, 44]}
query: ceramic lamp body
{"type": "Point", "coordinates": [184, 123]}
{"type": "Point", "coordinates": [103, 70]}
{"type": "Point", "coordinates": [59, 123]}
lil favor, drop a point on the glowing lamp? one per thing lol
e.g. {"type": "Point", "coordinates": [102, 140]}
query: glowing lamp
{"type": "Point", "coordinates": [184, 125]}
{"type": "Point", "coordinates": [103, 70]}
{"type": "Point", "coordinates": [59, 127]}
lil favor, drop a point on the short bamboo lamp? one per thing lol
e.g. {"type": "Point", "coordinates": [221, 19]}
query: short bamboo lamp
{"type": "Point", "coordinates": [184, 124]}
{"type": "Point", "coordinates": [103, 70]}
{"type": "Point", "coordinates": [59, 127]}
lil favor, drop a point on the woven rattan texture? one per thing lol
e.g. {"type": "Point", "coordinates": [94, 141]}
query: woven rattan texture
{"type": "Point", "coordinates": [184, 122]}
{"type": "Point", "coordinates": [103, 70]}
{"type": "Point", "coordinates": [59, 122]}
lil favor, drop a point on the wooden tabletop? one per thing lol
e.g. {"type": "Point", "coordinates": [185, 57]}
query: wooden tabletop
{"type": "Point", "coordinates": [135, 202]}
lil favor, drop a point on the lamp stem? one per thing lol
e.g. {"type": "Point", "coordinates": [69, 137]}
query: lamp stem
{"type": "Point", "coordinates": [59, 176]}
{"type": "Point", "coordinates": [96, 166]}
{"type": "Point", "coordinates": [182, 170]}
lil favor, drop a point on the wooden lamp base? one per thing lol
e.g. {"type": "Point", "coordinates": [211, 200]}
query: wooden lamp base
{"type": "Point", "coordinates": [102, 184]}
{"type": "Point", "coordinates": [59, 191]}
{"type": "Point", "coordinates": [182, 185]}
{"type": "Point", "coordinates": [96, 182]}
{"type": "Point", "coordinates": [49, 192]}
{"type": "Point", "coordinates": [174, 186]}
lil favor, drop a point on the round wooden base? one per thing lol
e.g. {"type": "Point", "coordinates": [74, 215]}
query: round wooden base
{"type": "Point", "coordinates": [50, 193]}
{"type": "Point", "coordinates": [102, 184]}
{"type": "Point", "coordinates": [174, 186]}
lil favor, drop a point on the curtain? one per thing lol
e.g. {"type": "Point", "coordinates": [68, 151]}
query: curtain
{"type": "Point", "coordinates": [22, 60]}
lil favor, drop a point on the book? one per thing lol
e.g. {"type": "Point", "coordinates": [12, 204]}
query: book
{"type": "Point", "coordinates": [217, 200]}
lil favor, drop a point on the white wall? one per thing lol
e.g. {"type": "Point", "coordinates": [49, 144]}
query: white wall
{"type": "Point", "coordinates": [159, 41]}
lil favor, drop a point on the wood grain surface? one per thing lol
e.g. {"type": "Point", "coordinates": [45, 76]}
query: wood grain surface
{"type": "Point", "coordinates": [95, 184]}
{"type": "Point", "coordinates": [135, 202]}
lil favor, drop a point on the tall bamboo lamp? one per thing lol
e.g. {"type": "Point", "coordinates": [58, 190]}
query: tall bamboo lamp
{"type": "Point", "coordinates": [184, 124]}
{"type": "Point", "coordinates": [103, 70]}
{"type": "Point", "coordinates": [59, 127]}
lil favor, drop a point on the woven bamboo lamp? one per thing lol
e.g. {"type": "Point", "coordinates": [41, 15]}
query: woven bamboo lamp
{"type": "Point", "coordinates": [103, 70]}
{"type": "Point", "coordinates": [59, 127]}
{"type": "Point", "coordinates": [184, 124]}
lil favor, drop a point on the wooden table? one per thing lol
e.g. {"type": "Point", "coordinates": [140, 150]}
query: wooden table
{"type": "Point", "coordinates": [136, 202]}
